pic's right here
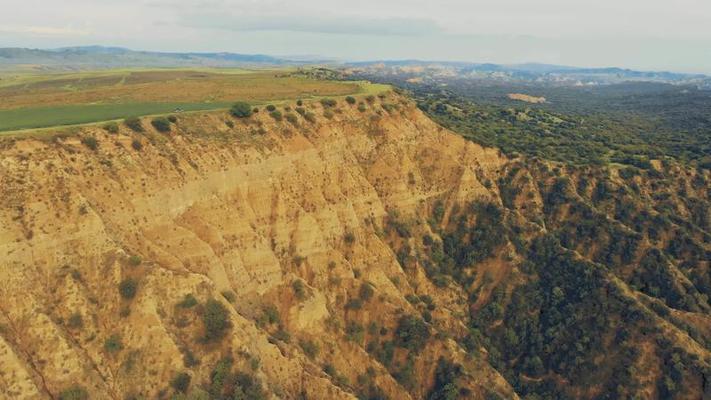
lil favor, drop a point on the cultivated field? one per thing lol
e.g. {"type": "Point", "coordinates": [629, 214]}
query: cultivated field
{"type": "Point", "coordinates": [35, 101]}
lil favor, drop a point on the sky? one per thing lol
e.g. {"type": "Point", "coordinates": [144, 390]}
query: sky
{"type": "Point", "coordinates": [670, 35]}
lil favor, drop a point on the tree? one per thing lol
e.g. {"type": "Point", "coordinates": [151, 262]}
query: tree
{"type": "Point", "coordinates": [128, 288]}
{"type": "Point", "coordinates": [215, 320]}
{"type": "Point", "coordinates": [161, 124]}
{"type": "Point", "coordinates": [241, 110]}
{"type": "Point", "coordinates": [412, 333]}
{"type": "Point", "coordinates": [180, 382]}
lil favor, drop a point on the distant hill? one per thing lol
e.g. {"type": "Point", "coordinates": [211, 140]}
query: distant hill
{"type": "Point", "coordinates": [111, 57]}
{"type": "Point", "coordinates": [529, 72]}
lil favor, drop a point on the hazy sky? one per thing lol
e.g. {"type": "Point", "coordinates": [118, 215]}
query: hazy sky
{"type": "Point", "coordinates": [646, 34]}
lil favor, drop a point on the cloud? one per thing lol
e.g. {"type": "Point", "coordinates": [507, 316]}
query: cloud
{"type": "Point", "coordinates": [354, 25]}
{"type": "Point", "coordinates": [46, 31]}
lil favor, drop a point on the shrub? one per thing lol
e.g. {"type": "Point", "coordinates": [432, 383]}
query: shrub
{"type": "Point", "coordinates": [90, 142]}
{"type": "Point", "coordinates": [292, 118]}
{"type": "Point", "coordinates": [276, 115]}
{"type": "Point", "coordinates": [271, 108]}
{"type": "Point", "coordinates": [75, 321]}
{"type": "Point", "coordinates": [309, 116]}
{"type": "Point", "coordinates": [349, 238]}
{"type": "Point", "coordinates": [161, 124]}
{"type": "Point", "coordinates": [241, 110]}
{"type": "Point", "coordinates": [74, 393]}
{"type": "Point", "coordinates": [299, 103]}
{"type": "Point", "coordinates": [134, 260]}
{"type": "Point", "coordinates": [282, 335]}
{"type": "Point", "coordinates": [350, 100]}
{"type": "Point", "coordinates": [361, 107]}
{"type": "Point", "coordinates": [328, 114]}
{"type": "Point", "coordinates": [411, 333]}
{"type": "Point", "coordinates": [188, 301]}
{"type": "Point", "coordinates": [370, 99]}
{"type": "Point", "coordinates": [173, 119]}
{"type": "Point", "coordinates": [134, 124]}
{"type": "Point", "coordinates": [215, 320]}
{"type": "Point", "coordinates": [111, 127]}
{"type": "Point", "coordinates": [229, 296]}
{"type": "Point", "coordinates": [113, 343]}
{"type": "Point", "coordinates": [328, 103]}
{"type": "Point", "coordinates": [366, 291]}
{"type": "Point", "coordinates": [300, 110]}
{"type": "Point", "coordinates": [128, 288]}
{"type": "Point", "coordinates": [180, 382]}
{"type": "Point", "coordinates": [310, 348]}
{"type": "Point", "coordinates": [354, 304]}
{"type": "Point", "coordinates": [299, 289]}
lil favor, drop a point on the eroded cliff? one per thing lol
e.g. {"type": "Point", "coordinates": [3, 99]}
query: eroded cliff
{"type": "Point", "coordinates": [282, 223]}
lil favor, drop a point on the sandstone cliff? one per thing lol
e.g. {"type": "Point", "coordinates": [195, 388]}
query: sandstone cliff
{"type": "Point", "coordinates": [262, 215]}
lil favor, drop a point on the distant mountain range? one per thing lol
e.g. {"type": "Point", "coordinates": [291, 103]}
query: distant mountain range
{"type": "Point", "coordinates": [112, 57]}
{"type": "Point", "coordinates": [91, 57]}
{"type": "Point", "coordinates": [531, 72]}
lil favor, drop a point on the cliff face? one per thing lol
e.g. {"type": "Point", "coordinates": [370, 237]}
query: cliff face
{"type": "Point", "coordinates": [281, 224]}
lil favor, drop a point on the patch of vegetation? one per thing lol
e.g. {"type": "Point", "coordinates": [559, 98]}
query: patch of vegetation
{"type": "Point", "coordinates": [74, 393]}
{"type": "Point", "coordinates": [90, 142]}
{"type": "Point", "coordinates": [161, 124]}
{"type": "Point", "coordinates": [181, 382]}
{"type": "Point", "coordinates": [310, 348]}
{"type": "Point", "coordinates": [137, 145]}
{"type": "Point", "coordinates": [299, 289]}
{"type": "Point", "coordinates": [241, 109]}
{"type": "Point", "coordinates": [215, 319]}
{"type": "Point", "coordinates": [328, 103]}
{"type": "Point", "coordinates": [411, 333]}
{"type": "Point", "coordinates": [113, 343]}
{"type": "Point", "coordinates": [128, 288]}
{"type": "Point", "coordinates": [134, 124]}
{"type": "Point", "coordinates": [189, 301]}
{"type": "Point", "coordinates": [350, 100]}
{"type": "Point", "coordinates": [276, 114]}
{"type": "Point", "coordinates": [111, 127]}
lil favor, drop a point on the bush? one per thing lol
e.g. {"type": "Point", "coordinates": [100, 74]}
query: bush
{"type": "Point", "coordinates": [173, 119]}
{"type": "Point", "coordinates": [113, 343]}
{"type": "Point", "coordinates": [292, 118]}
{"type": "Point", "coordinates": [299, 103]}
{"type": "Point", "coordinates": [361, 107]}
{"type": "Point", "coordinates": [309, 116]}
{"type": "Point", "coordinates": [411, 333]}
{"type": "Point", "coordinates": [366, 291]}
{"type": "Point", "coordinates": [328, 103]}
{"type": "Point", "coordinates": [276, 115]}
{"type": "Point", "coordinates": [181, 382]}
{"type": "Point", "coordinates": [271, 108]}
{"type": "Point", "coordinates": [111, 127]}
{"type": "Point", "coordinates": [282, 335]}
{"type": "Point", "coordinates": [300, 110]}
{"type": "Point", "coordinates": [349, 238]}
{"type": "Point", "coordinates": [74, 393]}
{"type": "Point", "coordinates": [310, 348]}
{"type": "Point", "coordinates": [161, 124]}
{"type": "Point", "coordinates": [128, 288]}
{"type": "Point", "coordinates": [350, 100]}
{"type": "Point", "coordinates": [134, 260]}
{"type": "Point", "coordinates": [134, 124]}
{"type": "Point", "coordinates": [215, 320]}
{"type": "Point", "coordinates": [137, 145]}
{"type": "Point", "coordinates": [75, 321]}
{"type": "Point", "coordinates": [299, 289]}
{"type": "Point", "coordinates": [90, 142]}
{"type": "Point", "coordinates": [189, 301]}
{"type": "Point", "coordinates": [370, 99]}
{"type": "Point", "coordinates": [354, 304]}
{"type": "Point", "coordinates": [241, 110]}
{"type": "Point", "coordinates": [328, 114]}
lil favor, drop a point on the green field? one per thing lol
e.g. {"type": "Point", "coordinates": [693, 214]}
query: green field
{"type": "Point", "coordinates": [40, 117]}
{"type": "Point", "coordinates": [43, 101]}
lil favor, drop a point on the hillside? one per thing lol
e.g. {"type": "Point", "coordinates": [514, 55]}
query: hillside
{"type": "Point", "coordinates": [341, 251]}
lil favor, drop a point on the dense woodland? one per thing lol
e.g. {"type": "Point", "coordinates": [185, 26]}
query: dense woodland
{"type": "Point", "coordinates": [605, 220]}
